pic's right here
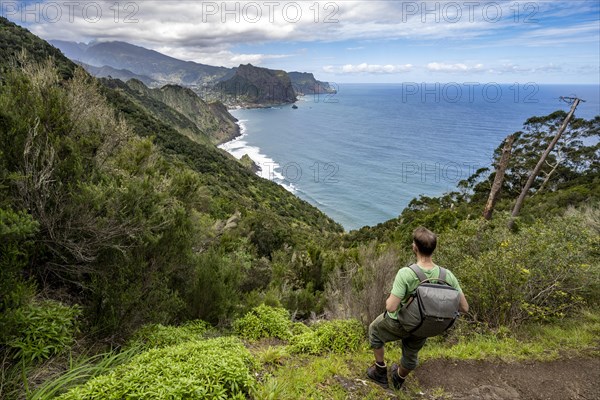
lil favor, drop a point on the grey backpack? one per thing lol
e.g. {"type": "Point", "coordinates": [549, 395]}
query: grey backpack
{"type": "Point", "coordinates": [432, 307]}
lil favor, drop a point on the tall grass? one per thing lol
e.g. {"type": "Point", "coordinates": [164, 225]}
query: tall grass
{"type": "Point", "coordinates": [81, 370]}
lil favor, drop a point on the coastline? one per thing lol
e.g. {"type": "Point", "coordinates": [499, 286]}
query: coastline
{"type": "Point", "coordinates": [238, 130]}
{"type": "Point", "coordinates": [267, 167]}
{"type": "Point", "coordinates": [232, 136]}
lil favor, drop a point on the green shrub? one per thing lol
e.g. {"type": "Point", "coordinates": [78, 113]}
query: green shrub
{"type": "Point", "coordinates": [263, 322]}
{"type": "Point", "coordinates": [214, 288]}
{"type": "Point", "coordinates": [158, 336]}
{"type": "Point", "coordinates": [542, 272]}
{"type": "Point", "coordinates": [336, 336]}
{"type": "Point", "coordinates": [16, 232]}
{"type": "Point", "coordinates": [42, 329]}
{"type": "Point", "coordinates": [211, 369]}
{"type": "Point", "coordinates": [298, 328]}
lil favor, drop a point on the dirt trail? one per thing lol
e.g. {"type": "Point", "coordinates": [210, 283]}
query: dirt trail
{"type": "Point", "coordinates": [570, 379]}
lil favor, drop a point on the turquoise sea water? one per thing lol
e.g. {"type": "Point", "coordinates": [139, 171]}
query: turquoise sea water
{"type": "Point", "coordinates": [361, 155]}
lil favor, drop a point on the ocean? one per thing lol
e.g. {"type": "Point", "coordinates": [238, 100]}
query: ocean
{"type": "Point", "coordinates": [363, 154]}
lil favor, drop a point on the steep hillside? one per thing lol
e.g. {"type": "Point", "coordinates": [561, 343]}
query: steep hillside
{"type": "Point", "coordinates": [232, 186]}
{"type": "Point", "coordinates": [211, 120]}
{"type": "Point", "coordinates": [113, 200]}
{"type": "Point", "coordinates": [259, 86]}
{"type": "Point", "coordinates": [141, 61]}
{"type": "Point", "coordinates": [14, 40]}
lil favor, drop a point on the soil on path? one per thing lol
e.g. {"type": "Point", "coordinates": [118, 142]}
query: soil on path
{"type": "Point", "coordinates": [576, 379]}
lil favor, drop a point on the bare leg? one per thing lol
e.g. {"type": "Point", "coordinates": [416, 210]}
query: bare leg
{"type": "Point", "coordinates": [379, 355]}
{"type": "Point", "coordinates": [403, 372]}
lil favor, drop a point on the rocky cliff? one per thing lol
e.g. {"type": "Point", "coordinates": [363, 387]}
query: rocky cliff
{"type": "Point", "coordinates": [305, 83]}
{"type": "Point", "coordinates": [258, 86]}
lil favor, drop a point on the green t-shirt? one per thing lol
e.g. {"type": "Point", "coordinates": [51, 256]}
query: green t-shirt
{"type": "Point", "coordinates": [406, 283]}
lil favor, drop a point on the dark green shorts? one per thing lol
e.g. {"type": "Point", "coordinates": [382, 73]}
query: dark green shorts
{"type": "Point", "coordinates": [385, 329]}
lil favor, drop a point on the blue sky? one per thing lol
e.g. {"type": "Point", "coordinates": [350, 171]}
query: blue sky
{"type": "Point", "coordinates": [348, 41]}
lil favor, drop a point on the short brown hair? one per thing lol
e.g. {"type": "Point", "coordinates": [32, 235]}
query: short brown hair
{"type": "Point", "coordinates": [425, 240]}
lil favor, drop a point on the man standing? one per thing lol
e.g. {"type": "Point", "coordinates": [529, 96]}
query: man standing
{"type": "Point", "coordinates": [387, 328]}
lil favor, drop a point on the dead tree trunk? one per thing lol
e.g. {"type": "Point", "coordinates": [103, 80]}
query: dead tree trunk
{"type": "Point", "coordinates": [499, 179]}
{"type": "Point", "coordinates": [538, 167]}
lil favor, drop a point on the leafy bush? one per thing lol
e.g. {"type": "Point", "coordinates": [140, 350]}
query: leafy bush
{"type": "Point", "coordinates": [16, 231]}
{"type": "Point", "coordinates": [214, 292]}
{"type": "Point", "coordinates": [263, 322]}
{"type": "Point", "coordinates": [158, 336]}
{"type": "Point", "coordinates": [211, 369]}
{"type": "Point", "coordinates": [298, 328]}
{"type": "Point", "coordinates": [544, 271]}
{"type": "Point", "coordinates": [336, 336]}
{"type": "Point", "coordinates": [42, 329]}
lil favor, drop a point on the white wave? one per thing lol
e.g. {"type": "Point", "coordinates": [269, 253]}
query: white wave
{"type": "Point", "coordinates": [269, 169]}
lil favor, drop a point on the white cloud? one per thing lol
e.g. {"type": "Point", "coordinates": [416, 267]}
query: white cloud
{"type": "Point", "coordinates": [217, 32]}
{"type": "Point", "coordinates": [460, 67]}
{"type": "Point", "coordinates": [508, 68]}
{"type": "Point", "coordinates": [196, 24]}
{"type": "Point", "coordinates": [216, 57]}
{"type": "Point", "coordinates": [210, 23]}
{"type": "Point", "coordinates": [368, 68]}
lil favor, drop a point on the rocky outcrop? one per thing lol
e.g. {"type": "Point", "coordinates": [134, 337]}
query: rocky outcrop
{"type": "Point", "coordinates": [304, 83]}
{"type": "Point", "coordinates": [249, 163]}
{"type": "Point", "coordinates": [258, 86]}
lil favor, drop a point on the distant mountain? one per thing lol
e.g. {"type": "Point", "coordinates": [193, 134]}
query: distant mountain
{"type": "Point", "coordinates": [305, 83]}
{"type": "Point", "coordinates": [245, 85]}
{"type": "Point", "coordinates": [73, 50]}
{"type": "Point", "coordinates": [122, 74]}
{"type": "Point", "coordinates": [141, 61]}
{"type": "Point", "coordinates": [255, 85]}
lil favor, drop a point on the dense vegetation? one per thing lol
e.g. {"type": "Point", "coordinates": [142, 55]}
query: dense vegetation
{"type": "Point", "coordinates": [115, 226]}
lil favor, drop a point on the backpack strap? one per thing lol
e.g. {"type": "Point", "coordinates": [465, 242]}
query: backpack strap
{"type": "Point", "coordinates": [417, 270]}
{"type": "Point", "coordinates": [442, 276]}
{"type": "Point", "coordinates": [421, 276]}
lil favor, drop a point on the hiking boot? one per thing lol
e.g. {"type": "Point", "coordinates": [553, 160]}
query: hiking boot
{"type": "Point", "coordinates": [378, 375]}
{"type": "Point", "coordinates": [397, 380]}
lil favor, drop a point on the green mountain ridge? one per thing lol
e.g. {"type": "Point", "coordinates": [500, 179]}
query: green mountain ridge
{"type": "Point", "coordinates": [125, 61]}
{"type": "Point", "coordinates": [212, 120]}
{"type": "Point", "coordinates": [14, 40]}
{"type": "Point", "coordinates": [141, 61]}
{"type": "Point", "coordinates": [121, 74]}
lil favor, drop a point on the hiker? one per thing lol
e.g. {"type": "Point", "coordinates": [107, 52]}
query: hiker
{"type": "Point", "coordinates": [388, 328]}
